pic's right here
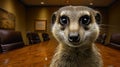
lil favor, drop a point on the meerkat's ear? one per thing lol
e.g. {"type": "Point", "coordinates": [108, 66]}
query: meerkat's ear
{"type": "Point", "coordinates": [98, 17]}
{"type": "Point", "coordinates": [53, 19]}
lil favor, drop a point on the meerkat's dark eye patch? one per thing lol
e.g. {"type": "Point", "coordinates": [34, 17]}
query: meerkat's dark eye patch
{"type": "Point", "coordinates": [85, 20]}
{"type": "Point", "coordinates": [64, 20]}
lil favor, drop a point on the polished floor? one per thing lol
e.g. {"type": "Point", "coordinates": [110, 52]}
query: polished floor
{"type": "Point", "coordinates": [39, 55]}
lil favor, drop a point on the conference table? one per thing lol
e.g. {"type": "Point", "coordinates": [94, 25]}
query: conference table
{"type": "Point", "coordinates": [40, 55]}
{"type": "Point", "coordinates": [35, 55]}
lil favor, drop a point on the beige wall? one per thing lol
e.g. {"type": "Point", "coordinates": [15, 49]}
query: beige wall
{"type": "Point", "coordinates": [39, 13]}
{"type": "Point", "coordinates": [15, 7]}
{"type": "Point", "coordinates": [114, 19]}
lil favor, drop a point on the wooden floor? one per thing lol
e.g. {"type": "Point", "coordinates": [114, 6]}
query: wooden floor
{"type": "Point", "coordinates": [39, 55]}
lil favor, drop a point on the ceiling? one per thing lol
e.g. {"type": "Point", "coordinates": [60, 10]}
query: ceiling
{"type": "Point", "coordinates": [97, 3]}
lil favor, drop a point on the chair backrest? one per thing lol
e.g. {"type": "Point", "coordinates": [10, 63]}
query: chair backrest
{"type": "Point", "coordinates": [115, 38]}
{"type": "Point", "coordinates": [45, 37]}
{"type": "Point", "coordinates": [0, 46]}
{"type": "Point", "coordinates": [33, 37]}
{"type": "Point", "coordinates": [10, 40]}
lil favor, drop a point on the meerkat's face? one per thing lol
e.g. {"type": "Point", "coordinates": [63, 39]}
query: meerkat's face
{"type": "Point", "coordinates": [75, 25]}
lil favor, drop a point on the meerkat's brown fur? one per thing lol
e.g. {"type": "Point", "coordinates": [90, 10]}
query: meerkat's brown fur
{"type": "Point", "coordinates": [81, 54]}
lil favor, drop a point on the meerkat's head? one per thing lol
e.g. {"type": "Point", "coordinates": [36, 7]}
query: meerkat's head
{"type": "Point", "coordinates": [76, 25]}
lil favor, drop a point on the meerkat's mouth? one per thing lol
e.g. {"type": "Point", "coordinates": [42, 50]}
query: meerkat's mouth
{"type": "Point", "coordinates": [76, 43]}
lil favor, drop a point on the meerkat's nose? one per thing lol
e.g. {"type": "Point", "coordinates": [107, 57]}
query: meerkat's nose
{"type": "Point", "coordinates": [73, 37]}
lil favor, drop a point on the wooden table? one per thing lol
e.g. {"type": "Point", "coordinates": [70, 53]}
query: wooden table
{"type": "Point", "coordinates": [39, 55]}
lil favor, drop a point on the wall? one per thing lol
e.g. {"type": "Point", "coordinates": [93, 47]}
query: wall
{"type": "Point", "coordinates": [39, 13]}
{"type": "Point", "coordinates": [114, 19]}
{"type": "Point", "coordinates": [15, 7]}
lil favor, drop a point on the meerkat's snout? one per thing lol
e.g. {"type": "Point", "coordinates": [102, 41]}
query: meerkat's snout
{"type": "Point", "coordinates": [74, 37]}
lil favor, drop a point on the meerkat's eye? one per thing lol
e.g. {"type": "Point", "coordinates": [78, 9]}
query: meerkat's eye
{"type": "Point", "coordinates": [64, 20]}
{"type": "Point", "coordinates": [85, 20]}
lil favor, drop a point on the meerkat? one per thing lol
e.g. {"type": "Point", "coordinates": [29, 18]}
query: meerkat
{"type": "Point", "coordinates": [76, 28]}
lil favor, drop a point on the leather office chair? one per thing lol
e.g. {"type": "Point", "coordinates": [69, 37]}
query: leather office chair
{"type": "Point", "coordinates": [0, 49]}
{"type": "Point", "coordinates": [33, 37]}
{"type": "Point", "coordinates": [10, 40]}
{"type": "Point", "coordinates": [115, 40]}
{"type": "Point", "coordinates": [0, 46]}
{"type": "Point", "coordinates": [45, 37]}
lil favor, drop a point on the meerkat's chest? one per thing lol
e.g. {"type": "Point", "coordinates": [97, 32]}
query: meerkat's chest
{"type": "Point", "coordinates": [77, 60]}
